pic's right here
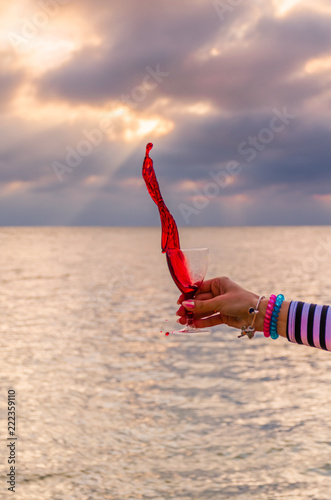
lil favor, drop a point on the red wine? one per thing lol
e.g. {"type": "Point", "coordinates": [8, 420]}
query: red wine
{"type": "Point", "coordinates": [179, 271]}
{"type": "Point", "coordinates": [170, 244]}
{"type": "Point", "coordinates": [170, 236]}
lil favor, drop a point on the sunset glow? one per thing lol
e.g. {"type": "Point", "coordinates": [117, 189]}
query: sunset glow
{"type": "Point", "coordinates": [84, 86]}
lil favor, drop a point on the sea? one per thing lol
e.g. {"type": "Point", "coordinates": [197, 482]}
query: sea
{"type": "Point", "coordinates": [108, 407]}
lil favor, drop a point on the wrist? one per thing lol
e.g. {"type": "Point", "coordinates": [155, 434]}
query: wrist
{"type": "Point", "coordinates": [282, 318]}
{"type": "Point", "coordinates": [261, 315]}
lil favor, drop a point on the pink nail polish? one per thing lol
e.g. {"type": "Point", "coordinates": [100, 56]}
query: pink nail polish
{"type": "Point", "coordinates": [188, 304]}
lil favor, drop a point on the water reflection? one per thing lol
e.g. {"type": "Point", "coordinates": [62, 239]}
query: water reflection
{"type": "Point", "coordinates": [110, 408]}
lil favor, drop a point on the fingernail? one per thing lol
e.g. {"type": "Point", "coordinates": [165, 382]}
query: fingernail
{"type": "Point", "coordinates": [188, 304]}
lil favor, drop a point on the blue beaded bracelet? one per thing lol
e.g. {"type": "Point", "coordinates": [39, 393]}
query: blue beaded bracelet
{"type": "Point", "coordinates": [274, 318]}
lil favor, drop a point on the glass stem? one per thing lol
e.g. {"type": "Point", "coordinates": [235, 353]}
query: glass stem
{"type": "Point", "coordinates": [189, 316]}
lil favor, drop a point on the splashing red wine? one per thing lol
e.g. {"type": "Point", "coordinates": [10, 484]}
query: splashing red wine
{"type": "Point", "coordinates": [170, 245]}
{"type": "Point", "coordinates": [170, 236]}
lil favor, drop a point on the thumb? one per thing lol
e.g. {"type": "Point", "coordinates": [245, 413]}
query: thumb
{"type": "Point", "coordinates": [201, 307]}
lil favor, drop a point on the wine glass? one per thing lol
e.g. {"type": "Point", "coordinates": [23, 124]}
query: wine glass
{"type": "Point", "coordinates": [188, 268]}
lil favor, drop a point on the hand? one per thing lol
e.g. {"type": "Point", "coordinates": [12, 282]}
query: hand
{"type": "Point", "coordinates": [218, 301]}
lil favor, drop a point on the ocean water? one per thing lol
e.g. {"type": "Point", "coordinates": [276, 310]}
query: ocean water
{"type": "Point", "coordinates": [108, 407]}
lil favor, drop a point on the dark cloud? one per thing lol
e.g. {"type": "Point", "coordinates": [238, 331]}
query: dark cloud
{"type": "Point", "coordinates": [252, 72]}
{"type": "Point", "coordinates": [259, 67]}
{"type": "Point", "coordinates": [132, 207]}
{"type": "Point", "coordinates": [31, 156]}
{"type": "Point", "coordinates": [259, 70]}
{"type": "Point", "coordinates": [133, 38]}
{"type": "Point", "coordinates": [295, 159]}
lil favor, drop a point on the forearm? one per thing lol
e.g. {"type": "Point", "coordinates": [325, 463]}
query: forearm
{"type": "Point", "coordinates": [302, 323]}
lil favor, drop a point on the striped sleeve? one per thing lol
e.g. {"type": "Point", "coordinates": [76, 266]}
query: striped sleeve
{"type": "Point", "coordinates": [309, 324]}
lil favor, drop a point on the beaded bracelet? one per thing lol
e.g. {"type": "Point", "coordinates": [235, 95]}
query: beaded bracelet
{"type": "Point", "coordinates": [274, 318]}
{"type": "Point", "coordinates": [268, 314]}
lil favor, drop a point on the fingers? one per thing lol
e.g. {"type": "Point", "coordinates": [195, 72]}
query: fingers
{"type": "Point", "coordinates": [205, 286]}
{"type": "Point", "coordinates": [182, 312]}
{"type": "Point", "coordinates": [216, 319]}
{"type": "Point", "coordinates": [211, 288]}
{"type": "Point", "coordinates": [198, 296]}
{"type": "Point", "coordinates": [202, 323]}
{"type": "Point", "coordinates": [181, 298]}
{"type": "Point", "coordinates": [207, 322]}
{"type": "Point", "coordinates": [203, 307]}
{"type": "Point", "coordinates": [200, 308]}
{"type": "Point", "coordinates": [220, 283]}
{"type": "Point", "coordinates": [203, 296]}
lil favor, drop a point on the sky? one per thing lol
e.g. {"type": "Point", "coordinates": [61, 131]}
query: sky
{"type": "Point", "coordinates": [235, 95]}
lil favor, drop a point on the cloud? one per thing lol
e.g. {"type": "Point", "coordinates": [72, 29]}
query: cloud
{"type": "Point", "coordinates": [250, 71]}
{"type": "Point", "coordinates": [11, 78]}
{"type": "Point", "coordinates": [155, 35]}
{"type": "Point", "coordinates": [223, 80]}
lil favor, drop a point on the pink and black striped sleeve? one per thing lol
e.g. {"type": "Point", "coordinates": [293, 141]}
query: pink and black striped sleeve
{"type": "Point", "coordinates": [309, 324]}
